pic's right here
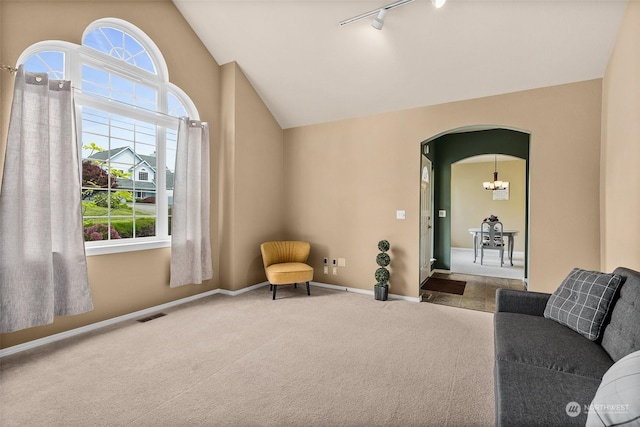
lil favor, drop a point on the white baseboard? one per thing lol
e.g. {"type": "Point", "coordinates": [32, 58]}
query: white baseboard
{"type": "Point", "coordinates": [241, 291]}
{"type": "Point", "coordinates": [363, 291]}
{"type": "Point", "coordinates": [142, 313]}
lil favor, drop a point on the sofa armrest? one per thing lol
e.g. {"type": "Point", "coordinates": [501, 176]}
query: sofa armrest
{"type": "Point", "coordinates": [524, 302]}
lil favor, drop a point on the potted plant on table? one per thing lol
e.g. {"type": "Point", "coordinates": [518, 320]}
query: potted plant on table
{"type": "Point", "coordinates": [381, 288]}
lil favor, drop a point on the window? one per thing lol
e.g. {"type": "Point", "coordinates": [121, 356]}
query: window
{"type": "Point", "coordinates": [126, 113]}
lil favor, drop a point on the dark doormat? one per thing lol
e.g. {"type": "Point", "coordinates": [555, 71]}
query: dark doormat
{"type": "Point", "coordinates": [444, 285]}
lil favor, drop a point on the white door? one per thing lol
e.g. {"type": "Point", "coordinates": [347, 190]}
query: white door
{"type": "Point", "coordinates": [426, 216]}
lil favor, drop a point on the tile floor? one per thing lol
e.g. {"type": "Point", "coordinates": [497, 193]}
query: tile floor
{"type": "Point", "coordinates": [479, 293]}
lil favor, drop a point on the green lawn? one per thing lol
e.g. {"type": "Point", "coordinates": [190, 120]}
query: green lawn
{"type": "Point", "coordinates": [126, 211]}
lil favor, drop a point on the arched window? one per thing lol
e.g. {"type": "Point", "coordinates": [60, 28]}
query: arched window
{"type": "Point", "coordinates": [126, 113]}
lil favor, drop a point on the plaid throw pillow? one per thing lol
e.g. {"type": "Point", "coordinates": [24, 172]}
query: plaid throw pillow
{"type": "Point", "coordinates": [582, 301]}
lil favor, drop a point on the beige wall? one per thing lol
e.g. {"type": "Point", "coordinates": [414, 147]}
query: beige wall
{"type": "Point", "coordinates": [621, 148]}
{"type": "Point", "coordinates": [471, 203]}
{"type": "Point", "coordinates": [345, 180]}
{"type": "Point", "coordinates": [251, 180]}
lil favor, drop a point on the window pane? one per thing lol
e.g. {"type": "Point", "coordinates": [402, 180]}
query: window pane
{"type": "Point", "coordinates": [50, 62]}
{"type": "Point", "coordinates": [175, 106]}
{"type": "Point", "coordinates": [145, 212]}
{"type": "Point", "coordinates": [146, 97]}
{"type": "Point", "coordinates": [120, 45]}
{"type": "Point", "coordinates": [110, 85]}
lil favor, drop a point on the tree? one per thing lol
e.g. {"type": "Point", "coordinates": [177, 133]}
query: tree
{"type": "Point", "coordinates": [93, 176]}
{"type": "Point", "coordinates": [99, 174]}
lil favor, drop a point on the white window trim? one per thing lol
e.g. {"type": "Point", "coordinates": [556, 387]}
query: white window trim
{"type": "Point", "coordinates": [78, 55]}
{"type": "Point", "coordinates": [139, 244]}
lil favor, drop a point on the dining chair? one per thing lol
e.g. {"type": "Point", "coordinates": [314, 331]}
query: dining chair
{"type": "Point", "coordinates": [491, 238]}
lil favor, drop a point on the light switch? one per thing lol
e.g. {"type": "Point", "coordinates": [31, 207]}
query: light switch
{"type": "Point", "coordinates": [401, 214]}
{"type": "Point", "coordinates": [342, 262]}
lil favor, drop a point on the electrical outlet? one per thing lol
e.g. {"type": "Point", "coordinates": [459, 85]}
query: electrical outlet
{"type": "Point", "coordinates": [326, 269]}
{"type": "Point", "coordinates": [326, 261]}
{"type": "Point", "coordinates": [334, 262]}
{"type": "Point", "coordinates": [335, 271]}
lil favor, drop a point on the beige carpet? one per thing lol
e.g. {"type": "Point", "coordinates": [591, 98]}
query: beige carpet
{"type": "Point", "coordinates": [329, 359]}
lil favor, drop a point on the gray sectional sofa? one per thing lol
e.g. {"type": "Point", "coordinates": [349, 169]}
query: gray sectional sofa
{"type": "Point", "coordinates": [543, 368]}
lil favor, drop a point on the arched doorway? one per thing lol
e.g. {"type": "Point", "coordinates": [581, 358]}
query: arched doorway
{"type": "Point", "coordinates": [444, 150]}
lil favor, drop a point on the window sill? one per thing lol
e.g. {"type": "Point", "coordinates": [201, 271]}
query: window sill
{"type": "Point", "coordinates": [114, 248]}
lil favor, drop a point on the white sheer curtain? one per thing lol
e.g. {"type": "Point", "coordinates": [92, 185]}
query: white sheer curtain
{"type": "Point", "coordinates": [43, 269]}
{"type": "Point", "coordinates": [190, 239]}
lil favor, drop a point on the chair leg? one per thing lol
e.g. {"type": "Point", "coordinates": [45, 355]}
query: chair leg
{"type": "Point", "coordinates": [308, 291]}
{"type": "Point", "coordinates": [295, 285]}
{"type": "Point", "coordinates": [274, 291]}
{"type": "Point", "coordinates": [270, 287]}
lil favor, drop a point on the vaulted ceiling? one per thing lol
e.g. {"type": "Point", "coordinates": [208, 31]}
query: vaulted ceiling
{"type": "Point", "coordinates": [308, 69]}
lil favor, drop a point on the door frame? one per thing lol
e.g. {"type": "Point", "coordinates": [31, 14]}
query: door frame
{"type": "Point", "coordinates": [426, 218]}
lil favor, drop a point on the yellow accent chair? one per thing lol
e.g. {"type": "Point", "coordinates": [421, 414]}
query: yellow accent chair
{"type": "Point", "coordinates": [285, 263]}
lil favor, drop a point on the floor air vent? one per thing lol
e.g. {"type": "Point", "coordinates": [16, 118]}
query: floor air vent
{"type": "Point", "coordinates": [154, 316]}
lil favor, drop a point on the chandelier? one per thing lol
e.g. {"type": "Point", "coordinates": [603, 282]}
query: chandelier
{"type": "Point", "coordinates": [495, 184]}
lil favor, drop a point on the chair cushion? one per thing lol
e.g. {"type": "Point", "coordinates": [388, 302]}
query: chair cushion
{"type": "Point", "coordinates": [583, 300]}
{"type": "Point", "coordinates": [622, 335]}
{"type": "Point", "coordinates": [289, 272]}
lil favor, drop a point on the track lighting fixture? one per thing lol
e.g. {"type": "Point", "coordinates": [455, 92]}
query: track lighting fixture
{"type": "Point", "coordinates": [378, 22]}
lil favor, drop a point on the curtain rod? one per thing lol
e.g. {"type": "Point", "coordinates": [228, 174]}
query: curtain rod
{"type": "Point", "coordinates": [13, 70]}
{"type": "Point", "coordinates": [8, 68]}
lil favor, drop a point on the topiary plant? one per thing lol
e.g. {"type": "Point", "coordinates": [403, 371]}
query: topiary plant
{"type": "Point", "coordinates": [382, 274]}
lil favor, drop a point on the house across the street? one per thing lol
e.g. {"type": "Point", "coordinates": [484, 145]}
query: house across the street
{"type": "Point", "coordinates": [140, 169]}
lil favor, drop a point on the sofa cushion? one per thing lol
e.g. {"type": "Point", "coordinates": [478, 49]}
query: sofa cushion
{"type": "Point", "coordinates": [617, 400]}
{"type": "Point", "coordinates": [582, 301]}
{"type": "Point", "coordinates": [544, 343]}
{"type": "Point", "coordinates": [622, 335]}
{"type": "Point", "coordinates": [530, 396]}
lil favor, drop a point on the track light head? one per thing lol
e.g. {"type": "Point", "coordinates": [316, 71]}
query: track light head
{"type": "Point", "coordinates": [438, 3]}
{"type": "Point", "coordinates": [378, 22]}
